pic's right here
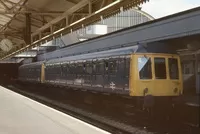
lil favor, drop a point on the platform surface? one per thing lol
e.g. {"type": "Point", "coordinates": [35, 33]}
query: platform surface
{"type": "Point", "coordinates": [192, 100]}
{"type": "Point", "coordinates": [21, 115]}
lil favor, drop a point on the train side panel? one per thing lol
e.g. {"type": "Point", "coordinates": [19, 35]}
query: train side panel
{"type": "Point", "coordinates": [30, 72]}
{"type": "Point", "coordinates": [105, 75]}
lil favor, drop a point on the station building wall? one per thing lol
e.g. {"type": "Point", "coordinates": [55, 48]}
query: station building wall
{"type": "Point", "coordinates": [191, 73]}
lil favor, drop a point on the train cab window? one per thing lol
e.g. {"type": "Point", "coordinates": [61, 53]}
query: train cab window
{"type": "Point", "coordinates": [173, 68]}
{"type": "Point", "coordinates": [144, 68]}
{"type": "Point", "coordinates": [160, 68]}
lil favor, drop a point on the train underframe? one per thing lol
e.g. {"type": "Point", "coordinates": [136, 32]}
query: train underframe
{"type": "Point", "coordinates": [154, 106]}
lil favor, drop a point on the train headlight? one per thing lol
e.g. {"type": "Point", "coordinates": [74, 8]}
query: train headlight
{"type": "Point", "coordinates": [176, 90]}
{"type": "Point", "coordinates": [145, 91]}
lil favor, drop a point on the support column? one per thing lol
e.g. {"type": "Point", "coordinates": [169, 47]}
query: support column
{"type": "Point", "coordinates": [197, 74]}
{"type": "Point", "coordinates": [51, 29]}
{"type": "Point", "coordinates": [28, 29]}
{"type": "Point", "coordinates": [90, 7]}
{"type": "Point", "coordinates": [67, 21]}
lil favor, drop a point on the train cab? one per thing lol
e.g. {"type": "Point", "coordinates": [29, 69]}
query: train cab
{"type": "Point", "coordinates": [156, 75]}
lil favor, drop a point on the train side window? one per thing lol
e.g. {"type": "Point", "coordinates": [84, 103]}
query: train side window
{"type": "Point", "coordinates": [79, 68]}
{"type": "Point", "coordinates": [72, 68]}
{"type": "Point", "coordinates": [121, 67]}
{"type": "Point", "coordinates": [69, 68]}
{"type": "Point", "coordinates": [106, 66]}
{"type": "Point", "coordinates": [113, 67]}
{"type": "Point", "coordinates": [66, 69]}
{"type": "Point", "coordinates": [55, 69]}
{"type": "Point", "coordinates": [127, 67]}
{"type": "Point", "coordinates": [89, 68]}
{"type": "Point", "coordinates": [144, 68]}
{"type": "Point", "coordinates": [99, 67]}
{"type": "Point", "coordinates": [160, 68]}
{"type": "Point", "coordinates": [84, 68]}
{"type": "Point", "coordinates": [173, 68]}
{"type": "Point", "coordinates": [94, 67]}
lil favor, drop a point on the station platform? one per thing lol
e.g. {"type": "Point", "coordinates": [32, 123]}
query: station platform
{"type": "Point", "coordinates": [192, 100]}
{"type": "Point", "coordinates": [21, 115]}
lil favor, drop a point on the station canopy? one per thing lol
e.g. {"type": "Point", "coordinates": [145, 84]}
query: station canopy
{"type": "Point", "coordinates": [48, 18]}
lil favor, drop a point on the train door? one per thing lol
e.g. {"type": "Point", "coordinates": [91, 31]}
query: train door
{"type": "Point", "coordinates": [141, 75]}
{"type": "Point", "coordinates": [162, 83]}
{"type": "Point", "coordinates": [175, 75]}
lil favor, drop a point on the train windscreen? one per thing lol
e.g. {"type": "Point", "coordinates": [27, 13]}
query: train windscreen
{"type": "Point", "coordinates": [144, 67]}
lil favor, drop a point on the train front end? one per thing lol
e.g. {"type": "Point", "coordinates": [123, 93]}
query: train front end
{"type": "Point", "coordinates": [155, 77]}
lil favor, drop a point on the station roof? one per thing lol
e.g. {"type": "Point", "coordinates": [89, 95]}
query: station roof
{"type": "Point", "coordinates": [48, 16]}
{"type": "Point", "coordinates": [13, 18]}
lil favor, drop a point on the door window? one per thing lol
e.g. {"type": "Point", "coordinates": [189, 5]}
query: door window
{"type": "Point", "coordinates": [173, 68]}
{"type": "Point", "coordinates": [160, 68]}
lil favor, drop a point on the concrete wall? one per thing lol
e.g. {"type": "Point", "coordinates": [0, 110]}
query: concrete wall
{"type": "Point", "coordinates": [191, 74]}
{"type": "Point", "coordinates": [197, 62]}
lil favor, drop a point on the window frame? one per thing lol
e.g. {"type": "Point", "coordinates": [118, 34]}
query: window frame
{"type": "Point", "coordinates": [166, 67]}
{"type": "Point", "coordinates": [138, 71]}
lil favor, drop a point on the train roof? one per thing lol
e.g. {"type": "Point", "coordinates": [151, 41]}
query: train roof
{"type": "Point", "coordinates": [32, 64]}
{"type": "Point", "coordinates": [102, 54]}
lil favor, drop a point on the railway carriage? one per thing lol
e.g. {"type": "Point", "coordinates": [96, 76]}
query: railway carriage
{"type": "Point", "coordinates": [32, 72]}
{"type": "Point", "coordinates": [130, 71]}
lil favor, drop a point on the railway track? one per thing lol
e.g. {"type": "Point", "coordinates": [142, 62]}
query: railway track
{"type": "Point", "coordinates": [105, 123]}
{"type": "Point", "coordinates": [115, 119]}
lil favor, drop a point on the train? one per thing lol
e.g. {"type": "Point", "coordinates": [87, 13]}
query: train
{"type": "Point", "coordinates": [131, 71]}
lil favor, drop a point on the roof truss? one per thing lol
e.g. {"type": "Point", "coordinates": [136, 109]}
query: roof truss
{"type": "Point", "coordinates": [84, 12]}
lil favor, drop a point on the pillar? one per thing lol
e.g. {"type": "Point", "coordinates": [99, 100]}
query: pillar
{"type": "Point", "coordinates": [90, 7]}
{"type": "Point", "coordinates": [28, 29]}
{"type": "Point", "coordinates": [197, 73]}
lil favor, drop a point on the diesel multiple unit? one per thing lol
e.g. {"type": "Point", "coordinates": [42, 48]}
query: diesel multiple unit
{"type": "Point", "coordinates": [129, 71]}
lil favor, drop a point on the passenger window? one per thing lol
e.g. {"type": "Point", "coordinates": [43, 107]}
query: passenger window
{"type": "Point", "coordinates": [173, 68]}
{"type": "Point", "coordinates": [113, 67]}
{"type": "Point", "coordinates": [144, 68]}
{"type": "Point", "coordinates": [71, 66]}
{"type": "Point", "coordinates": [106, 66]}
{"type": "Point", "coordinates": [89, 68]}
{"type": "Point", "coordinates": [121, 67]}
{"type": "Point", "coordinates": [84, 67]}
{"type": "Point", "coordinates": [100, 67]}
{"type": "Point", "coordinates": [94, 68]}
{"type": "Point", "coordinates": [65, 69]}
{"type": "Point", "coordinates": [160, 68]}
{"type": "Point", "coordinates": [127, 66]}
{"type": "Point", "coordinates": [79, 68]}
